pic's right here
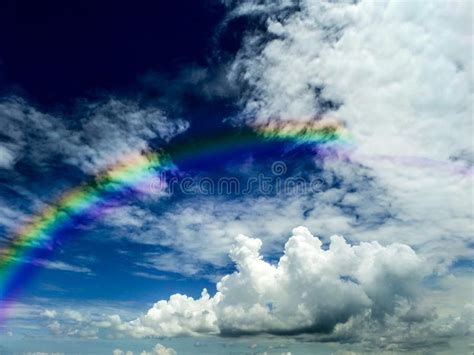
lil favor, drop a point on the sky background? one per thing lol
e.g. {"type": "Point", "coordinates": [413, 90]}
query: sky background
{"type": "Point", "coordinates": [372, 254]}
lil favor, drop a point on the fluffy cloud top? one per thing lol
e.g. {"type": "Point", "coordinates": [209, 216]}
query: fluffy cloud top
{"type": "Point", "coordinates": [399, 76]}
{"type": "Point", "coordinates": [367, 295]}
{"type": "Point", "coordinates": [310, 290]}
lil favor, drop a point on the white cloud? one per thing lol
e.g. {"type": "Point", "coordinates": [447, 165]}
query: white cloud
{"type": "Point", "coordinates": [102, 134]}
{"type": "Point", "coordinates": [55, 327]}
{"type": "Point", "coordinates": [158, 349]}
{"type": "Point", "coordinates": [74, 315]}
{"type": "Point", "coordinates": [180, 315]}
{"type": "Point", "coordinates": [172, 262]}
{"type": "Point", "coordinates": [310, 290]}
{"type": "Point", "coordinates": [410, 329]}
{"type": "Point", "coordinates": [49, 313]}
{"type": "Point", "coordinates": [401, 75]}
{"type": "Point", "coordinates": [62, 266]}
{"type": "Point", "coordinates": [9, 217]}
{"type": "Point", "coordinates": [150, 276]}
{"type": "Point", "coordinates": [116, 128]}
{"type": "Point", "coordinates": [7, 157]}
{"type": "Point", "coordinates": [369, 295]}
{"type": "Point", "coordinates": [217, 220]}
{"type": "Point", "coordinates": [99, 135]}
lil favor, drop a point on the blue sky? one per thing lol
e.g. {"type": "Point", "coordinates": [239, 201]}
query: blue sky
{"type": "Point", "coordinates": [372, 252]}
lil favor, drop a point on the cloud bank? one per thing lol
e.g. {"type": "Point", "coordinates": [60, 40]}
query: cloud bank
{"type": "Point", "coordinates": [366, 293]}
{"type": "Point", "coordinates": [311, 289]}
{"type": "Point", "coordinates": [399, 76]}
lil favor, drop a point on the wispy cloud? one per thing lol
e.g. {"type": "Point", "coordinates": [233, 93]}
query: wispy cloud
{"type": "Point", "coordinates": [147, 275]}
{"type": "Point", "coordinates": [62, 266]}
{"type": "Point", "coordinates": [101, 133]}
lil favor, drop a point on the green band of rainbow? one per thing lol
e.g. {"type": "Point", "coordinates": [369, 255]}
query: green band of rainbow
{"type": "Point", "coordinates": [15, 258]}
{"type": "Point", "coordinates": [132, 171]}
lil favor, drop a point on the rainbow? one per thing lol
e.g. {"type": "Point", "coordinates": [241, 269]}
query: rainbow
{"type": "Point", "coordinates": [39, 233]}
{"type": "Point", "coordinates": [134, 172]}
{"type": "Point", "coordinates": [316, 132]}
{"type": "Point", "coordinates": [328, 133]}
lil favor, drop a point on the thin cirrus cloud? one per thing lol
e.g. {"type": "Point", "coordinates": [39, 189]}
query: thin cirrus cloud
{"type": "Point", "coordinates": [62, 266]}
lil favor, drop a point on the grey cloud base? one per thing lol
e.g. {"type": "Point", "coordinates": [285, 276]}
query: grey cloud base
{"type": "Point", "coordinates": [368, 295]}
{"type": "Point", "coordinates": [341, 293]}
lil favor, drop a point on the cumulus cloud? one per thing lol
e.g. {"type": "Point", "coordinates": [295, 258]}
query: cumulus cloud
{"type": "Point", "coordinates": [55, 327]}
{"type": "Point", "coordinates": [310, 290]}
{"type": "Point", "coordinates": [403, 165]}
{"type": "Point", "coordinates": [67, 318]}
{"type": "Point", "coordinates": [397, 75]}
{"type": "Point", "coordinates": [369, 295]}
{"type": "Point", "coordinates": [49, 313]}
{"type": "Point", "coordinates": [409, 329]}
{"type": "Point", "coordinates": [353, 208]}
{"type": "Point", "coordinates": [160, 350]}
{"type": "Point", "coordinates": [157, 350]}
{"type": "Point", "coordinates": [180, 315]}
{"type": "Point", "coordinates": [74, 315]}
{"type": "Point", "coordinates": [217, 220]}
